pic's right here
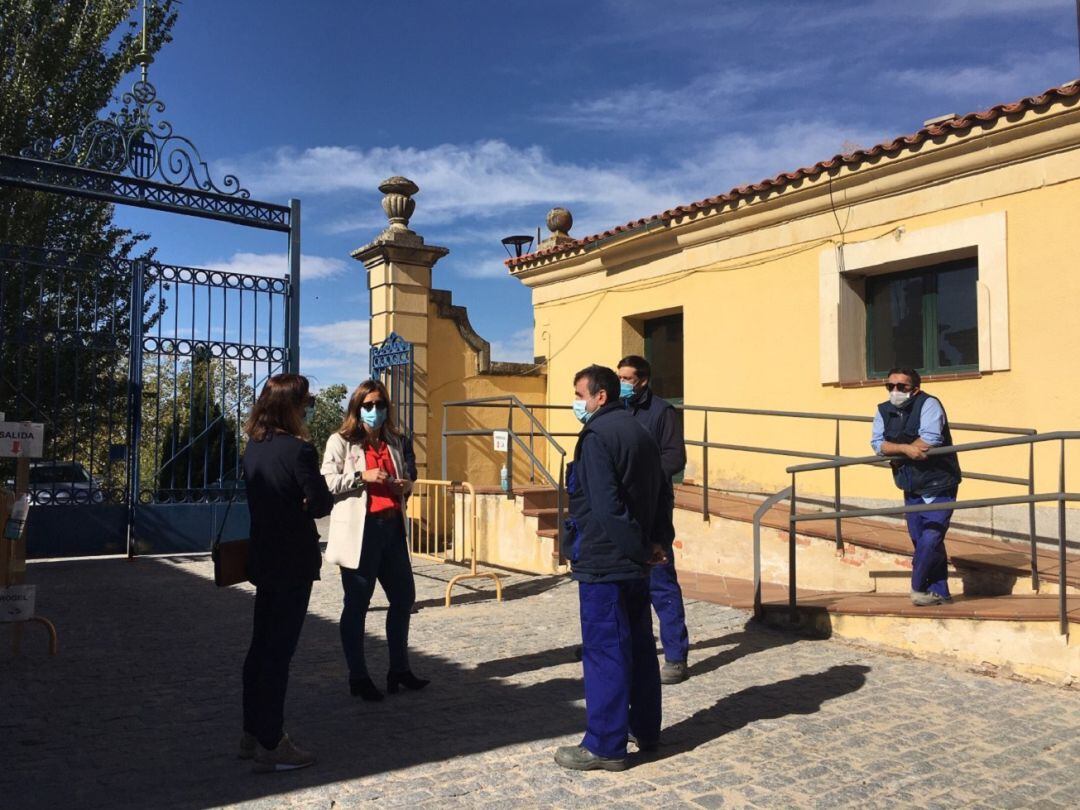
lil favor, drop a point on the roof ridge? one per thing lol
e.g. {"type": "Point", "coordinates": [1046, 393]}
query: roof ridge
{"type": "Point", "coordinates": [949, 126]}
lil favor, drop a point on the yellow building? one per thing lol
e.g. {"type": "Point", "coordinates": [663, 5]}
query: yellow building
{"type": "Point", "coordinates": [950, 250]}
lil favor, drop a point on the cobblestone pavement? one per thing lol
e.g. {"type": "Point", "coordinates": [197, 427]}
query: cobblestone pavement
{"type": "Point", "coordinates": [142, 709]}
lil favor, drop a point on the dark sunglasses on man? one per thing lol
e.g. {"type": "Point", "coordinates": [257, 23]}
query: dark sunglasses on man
{"type": "Point", "coordinates": [378, 404]}
{"type": "Point", "coordinates": [903, 388]}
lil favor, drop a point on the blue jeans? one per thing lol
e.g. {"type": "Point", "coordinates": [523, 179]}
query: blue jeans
{"type": "Point", "coordinates": [384, 557]}
{"type": "Point", "coordinates": [930, 563]}
{"type": "Point", "coordinates": [279, 617]}
{"type": "Point", "coordinates": [622, 676]}
{"type": "Point", "coordinates": [667, 601]}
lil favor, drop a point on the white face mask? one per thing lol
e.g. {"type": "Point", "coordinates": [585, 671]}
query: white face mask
{"type": "Point", "coordinates": [899, 398]}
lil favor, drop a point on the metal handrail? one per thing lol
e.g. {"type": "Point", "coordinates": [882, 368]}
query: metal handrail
{"type": "Point", "coordinates": [513, 404]}
{"type": "Point", "coordinates": [1061, 497]}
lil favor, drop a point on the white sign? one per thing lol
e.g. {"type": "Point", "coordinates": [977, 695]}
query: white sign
{"type": "Point", "coordinates": [502, 441]}
{"type": "Point", "coordinates": [22, 440]}
{"type": "Point", "coordinates": [17, 603]}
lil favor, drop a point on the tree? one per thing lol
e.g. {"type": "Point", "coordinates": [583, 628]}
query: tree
{"type": "Point", "coordinates": [200, 447]}
{"type": "Point", "coordinates": [328, 415]}
{"type": "Point", "coordinates": [61, 62]}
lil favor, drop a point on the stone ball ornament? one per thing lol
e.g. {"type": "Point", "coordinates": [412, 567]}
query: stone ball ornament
{"type": "Point", "coordinates": [560, 221]}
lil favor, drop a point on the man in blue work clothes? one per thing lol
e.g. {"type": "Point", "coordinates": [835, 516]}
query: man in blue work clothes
{"type": "Point", "coordinates": [658, 417]}
{"type": "Point", "coordinates": [615, 488]}
{"type": "Point", "coordinates": [905, 427]}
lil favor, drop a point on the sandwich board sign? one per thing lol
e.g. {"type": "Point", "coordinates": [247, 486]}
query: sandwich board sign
{"type": "Point", "coordinates": [17, 603]}
{"type": "Point", "coordinates": [22, 439]}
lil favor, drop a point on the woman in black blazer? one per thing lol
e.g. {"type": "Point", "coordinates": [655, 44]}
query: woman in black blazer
{"type": "Point", "coordinates": [285, 493]}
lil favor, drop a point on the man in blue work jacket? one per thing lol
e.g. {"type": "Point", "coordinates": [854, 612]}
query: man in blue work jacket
{"type": "Point", "coordinates": [906, 426]}
{"type": "Point", "coordinates": [615, 487]}
{"type": "Point", "coordinates": [659, 417]}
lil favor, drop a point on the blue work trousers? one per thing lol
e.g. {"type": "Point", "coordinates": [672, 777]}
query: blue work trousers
{"type": "Point", "coordinates": [667, 601]}
{"type": "Point", "coordinates": [622, 676]}
{"type": "Point", "coordinates": [930, 564]}
{"type": "Point", "coordinates": [384, 558]}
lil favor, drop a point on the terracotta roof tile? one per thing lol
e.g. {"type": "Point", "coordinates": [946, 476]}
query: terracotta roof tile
{"type": "Point", "coordinates": [959, 124]}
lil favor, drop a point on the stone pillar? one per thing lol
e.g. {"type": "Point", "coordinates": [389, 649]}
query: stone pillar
{"type": "Point", "coordinates": [399, 281]}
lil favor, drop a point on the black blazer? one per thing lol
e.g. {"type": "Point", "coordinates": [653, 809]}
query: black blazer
{"type": "Point", "coordinates": [281, 472]}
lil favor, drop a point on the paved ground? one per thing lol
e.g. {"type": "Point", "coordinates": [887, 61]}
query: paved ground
{"type": "Point", "coordinates": [142, 709]}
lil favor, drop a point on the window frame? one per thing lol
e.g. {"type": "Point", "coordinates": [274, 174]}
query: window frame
{"type": "Point", "coordinates": [929, 275]}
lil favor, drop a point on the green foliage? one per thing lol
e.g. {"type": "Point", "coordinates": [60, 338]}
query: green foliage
{"type": "Point", "coordinates": [328, 415]}
{"type": "Point", "coordinates": [61, 62]}
{"type": "Point", "coordinates": [201, 441]}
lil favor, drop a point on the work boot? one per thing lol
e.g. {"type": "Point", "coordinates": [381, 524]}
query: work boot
{"type": "Point", "coordinates": [580, 758]}
{"type": "Point", "coordinates": [928, 598]}
{"type": "Point", "coordinates": [673, 672]}
{"type": "Point", "coordinates": [247, 746]}
{"type": "Point", "coordinates": [286, 757]}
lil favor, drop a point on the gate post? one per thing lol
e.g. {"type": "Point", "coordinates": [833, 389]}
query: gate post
{"type": "Point", "coordinates": [399, 268]}
{"type": "Point", "coordinates": [293, 332]}
{"type": "Point", "coordinates": [135, 368]}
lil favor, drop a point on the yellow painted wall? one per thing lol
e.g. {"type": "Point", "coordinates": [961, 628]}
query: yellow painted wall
{"type": "Point", "coordinates": [752, 317]}
{"type": "Point", "coordinates": [453, 376]}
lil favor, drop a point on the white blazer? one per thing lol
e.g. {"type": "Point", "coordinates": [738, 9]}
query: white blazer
{"type": "Point", "coordinates": [343, 466]}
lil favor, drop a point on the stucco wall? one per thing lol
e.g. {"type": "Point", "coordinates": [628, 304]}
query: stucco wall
{"type": "Point", "coordinates": [750, 294]}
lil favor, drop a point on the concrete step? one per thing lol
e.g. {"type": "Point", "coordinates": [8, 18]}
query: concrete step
{"type": "Point", "coordinates": [971, 554]}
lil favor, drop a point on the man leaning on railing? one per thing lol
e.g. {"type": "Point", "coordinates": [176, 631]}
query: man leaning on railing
{"type": "Point", "coordinates": [906, 426]}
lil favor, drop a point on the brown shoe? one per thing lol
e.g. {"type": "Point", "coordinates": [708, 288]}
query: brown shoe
{"type": "Point", "coordinates": [286, 757]}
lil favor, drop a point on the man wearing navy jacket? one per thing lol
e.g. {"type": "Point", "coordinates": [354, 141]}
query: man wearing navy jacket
{"type": "Point", "coordinates": [658, 416]}
{"type": "Point", "coordinates": [906, 426]}
{"type": "Point", "coordinates": [615, 486]}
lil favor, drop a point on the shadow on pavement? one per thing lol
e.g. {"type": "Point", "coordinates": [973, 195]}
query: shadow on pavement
{"type": "Point", "coordinates": [804, 694]}
{"type": "Point", "coordinates": [142, 706]}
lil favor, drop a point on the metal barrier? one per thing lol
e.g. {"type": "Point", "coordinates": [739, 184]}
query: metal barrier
{"type": "Point", "coordinates": [431, 524]}
{"type": "Point", "coordinates": [514, 406]}
{"type": "Point", "coordinates": [1061, 497]}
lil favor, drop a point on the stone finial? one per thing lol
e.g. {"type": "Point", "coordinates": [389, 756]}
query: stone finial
{"type": "Point", "coordinates": [559, 222]}
{"type": "Point", "coordinates": [398, 203]}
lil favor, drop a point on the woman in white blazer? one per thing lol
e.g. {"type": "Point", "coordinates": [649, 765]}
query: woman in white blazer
{"type": "Point", "coordinates": [364, 467]}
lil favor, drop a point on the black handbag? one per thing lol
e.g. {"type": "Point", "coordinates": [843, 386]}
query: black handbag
{"type": "Point", "coordinates": [231, 556]}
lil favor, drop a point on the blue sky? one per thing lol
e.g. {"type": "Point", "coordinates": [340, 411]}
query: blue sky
{"type": "Point", "coordinates": [502, 109]}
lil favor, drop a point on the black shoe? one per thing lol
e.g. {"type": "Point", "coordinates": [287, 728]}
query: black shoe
{"type": "Point", "coordinates": [406, 679]}
{"type": "Point", "coordinates": [365, 688]}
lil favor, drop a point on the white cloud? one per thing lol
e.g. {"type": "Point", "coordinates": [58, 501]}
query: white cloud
{"type": "Point", "coordinates": [335, 352]}
{"type": "Point", "coordinates": [516, 348]}
{"type": "Point", "coordinates": [277, 264]}
{"type": "Point", "coordinates": [1003, 82]}
{"type": "Point", "coordinates": [706, 99]}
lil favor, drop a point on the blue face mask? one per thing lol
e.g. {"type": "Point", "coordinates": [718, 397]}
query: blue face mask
{"type": "Point", "coordinates": [582, 415]}
{"type": "Point", "coordinates": [374, 418]}
{"type": "Point", "coordinates": [626, 390]}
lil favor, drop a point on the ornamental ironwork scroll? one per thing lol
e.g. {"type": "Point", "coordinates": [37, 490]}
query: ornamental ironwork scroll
{"type": "Point", "coordinates": [131, 141]}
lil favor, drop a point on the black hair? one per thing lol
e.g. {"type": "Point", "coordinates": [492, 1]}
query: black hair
{"type": "Point", "coordinates": [601, 378]}
{"type": "Point", "coordinates": [639, 364]}
{"type": "Point", "coordinates": [916, 380]}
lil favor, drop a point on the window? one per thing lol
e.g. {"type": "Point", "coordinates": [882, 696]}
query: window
{"type": "Point", "coordinates": [926, 319]}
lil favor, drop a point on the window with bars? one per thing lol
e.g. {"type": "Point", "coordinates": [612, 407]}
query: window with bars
{"type": "Point", "coordinates": [924, 319]}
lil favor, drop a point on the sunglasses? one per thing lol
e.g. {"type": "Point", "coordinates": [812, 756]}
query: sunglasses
{"type": "Point", "coordinates": [379, 404]}
{"type": "Point", "coordinates": [903, 388]}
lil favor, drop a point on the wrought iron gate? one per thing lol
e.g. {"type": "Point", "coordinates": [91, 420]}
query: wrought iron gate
{"type": "Point", "coordinates": [392, 362]}
{"type": "Point", "coordinates": [142, 372]}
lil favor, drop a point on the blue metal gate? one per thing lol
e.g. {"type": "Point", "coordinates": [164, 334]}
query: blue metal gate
{"type": "Point", "coordinates": [142, 372]}
{"type": "Point", "coordinates": [392, 362]}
